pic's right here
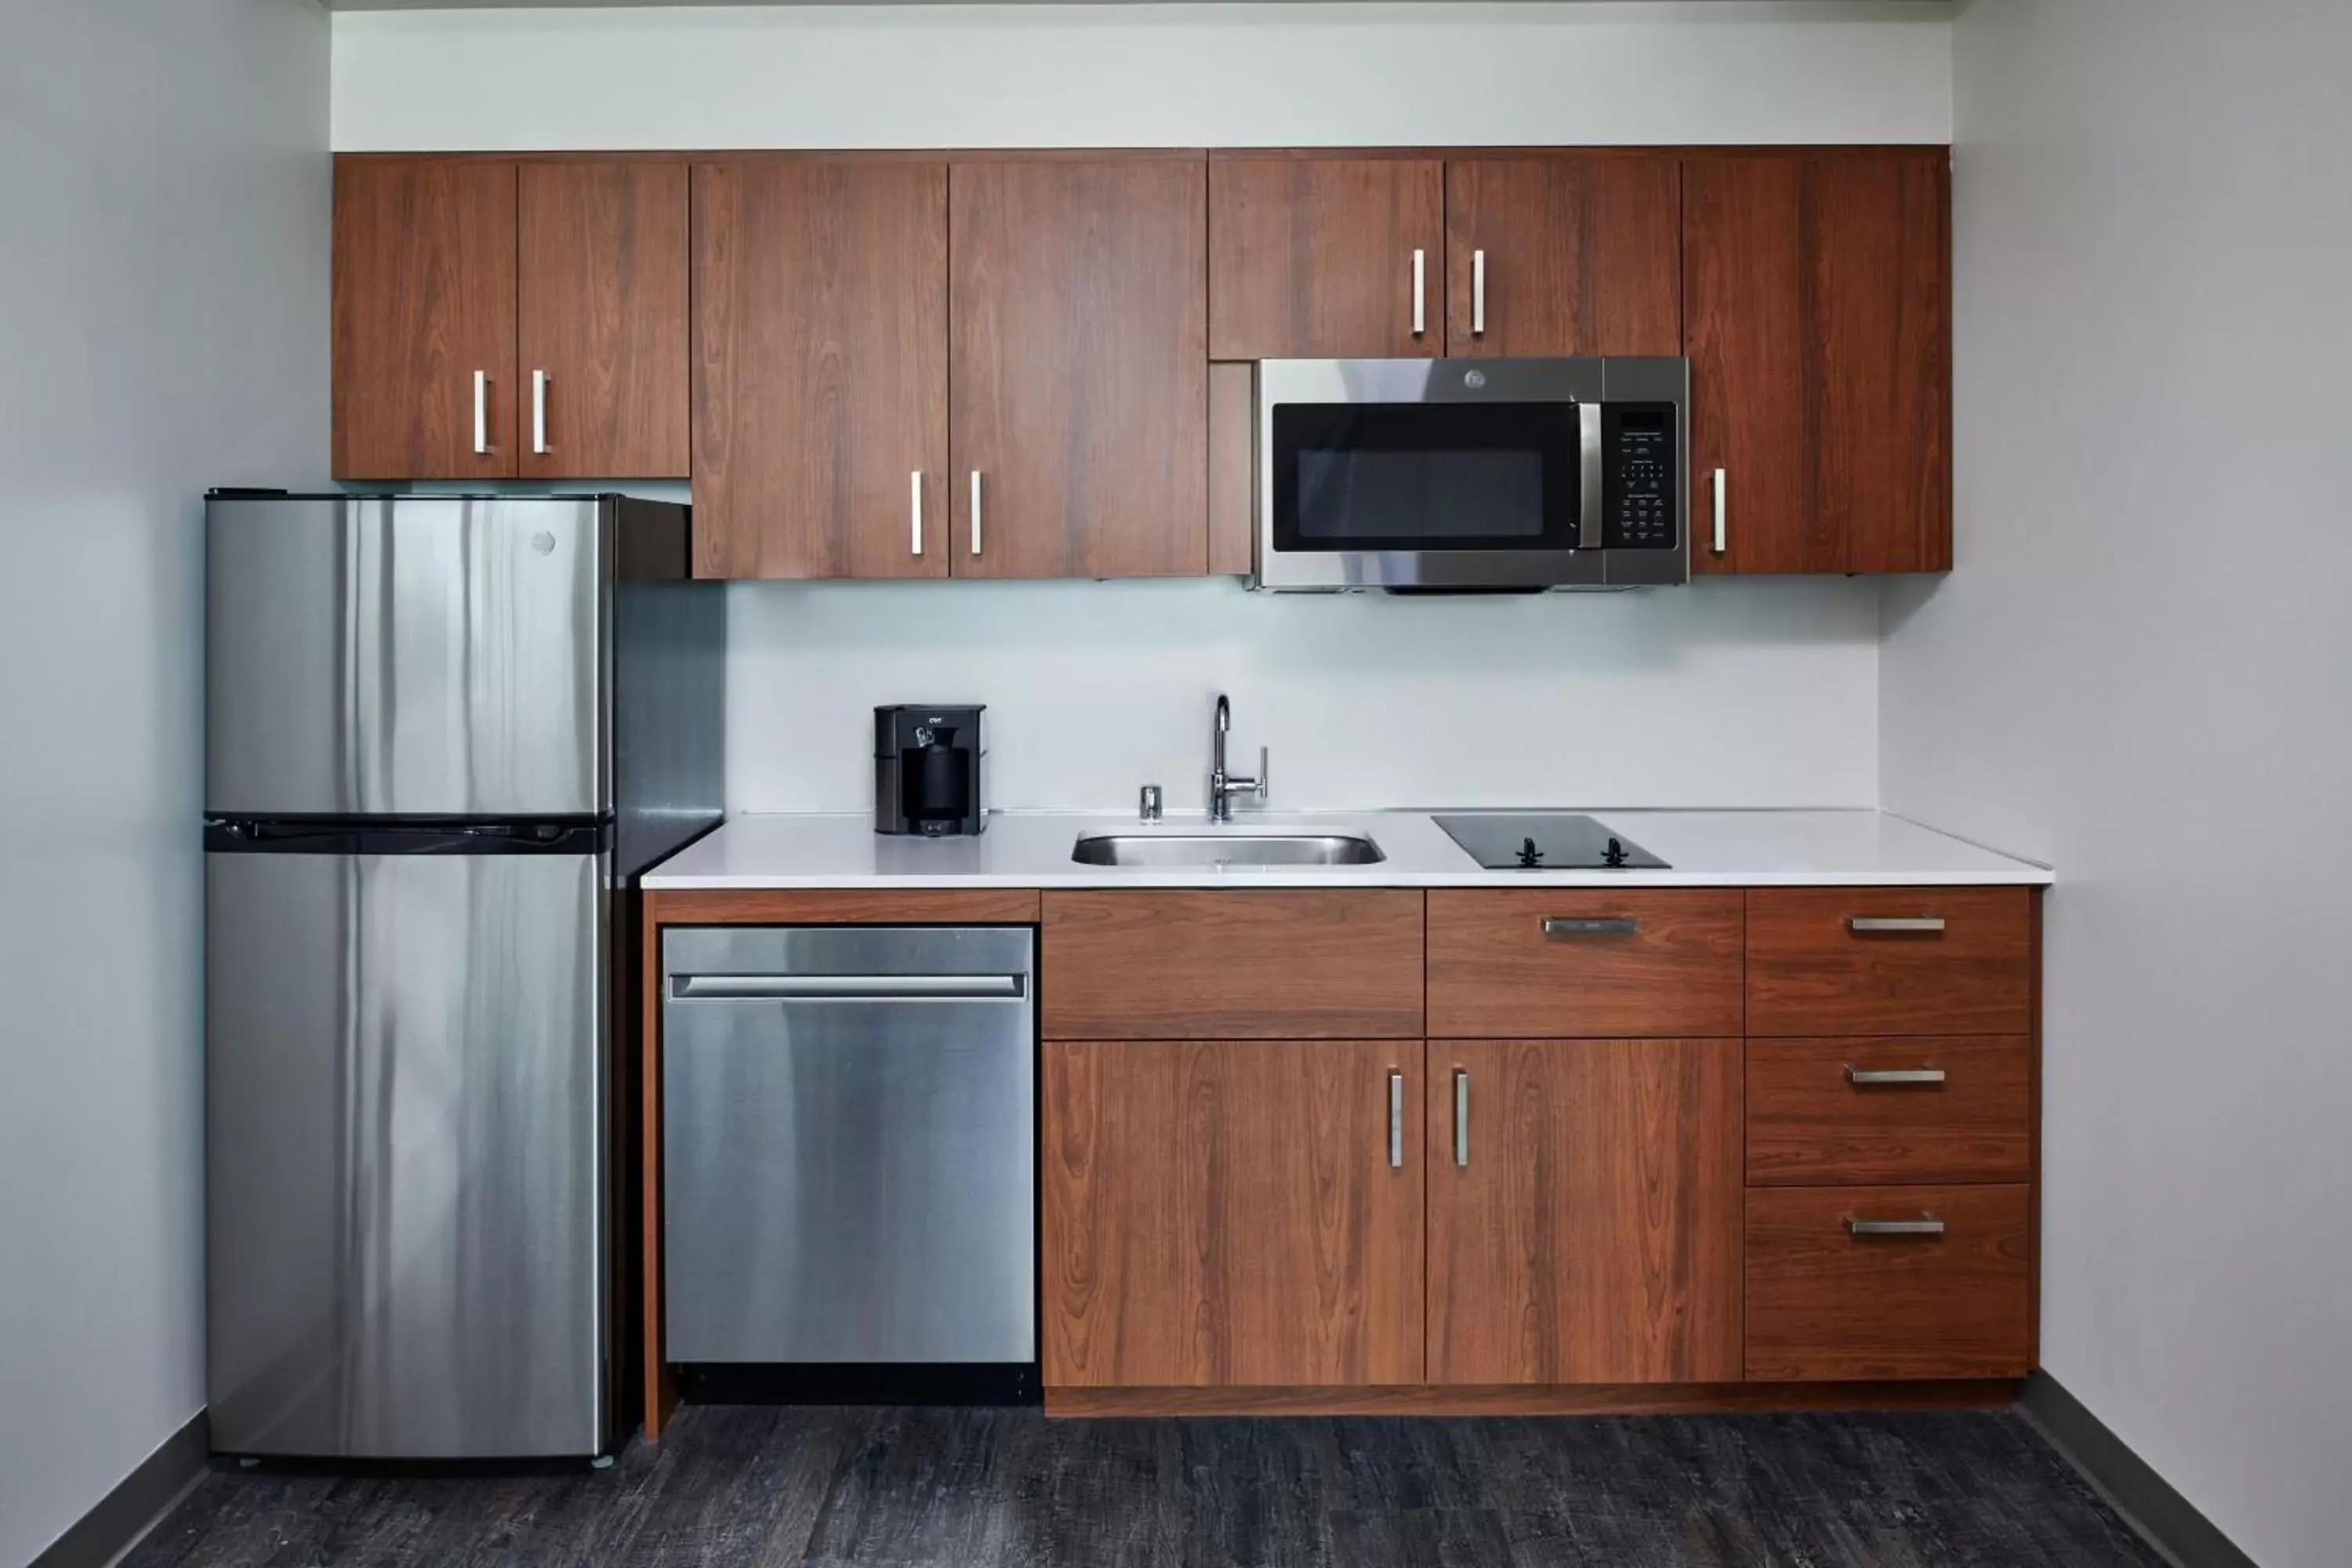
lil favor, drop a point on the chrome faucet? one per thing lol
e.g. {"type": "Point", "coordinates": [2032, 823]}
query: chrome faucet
{"type": "Point", "coordinates": [1222, 785]}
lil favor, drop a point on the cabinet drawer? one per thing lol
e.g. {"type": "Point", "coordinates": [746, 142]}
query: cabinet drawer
{"type": "Point", "coordinates": [1583, 963]}
{"type": "Point", "coordinates": [1824, 1302]}
{"type": "Point", "coordinates": [1237, 966]}
{"type": "Point", "coordinates": [1890, 960]}
{"type": "Point", "coordinates": [1925, 1108]}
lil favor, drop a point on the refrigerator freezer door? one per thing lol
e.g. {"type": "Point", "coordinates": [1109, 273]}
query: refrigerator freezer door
{"type": "Point", "coordinates": [405, 1122]}
{"type": "Point", "coordinates": [423, 655]}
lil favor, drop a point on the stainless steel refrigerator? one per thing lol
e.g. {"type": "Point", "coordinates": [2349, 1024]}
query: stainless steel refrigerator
{"type": "Point", "coordinates": [442, 736]}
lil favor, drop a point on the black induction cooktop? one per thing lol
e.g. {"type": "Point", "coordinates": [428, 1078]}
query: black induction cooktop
{"type": "Point", "coordinates": [1544, 841]}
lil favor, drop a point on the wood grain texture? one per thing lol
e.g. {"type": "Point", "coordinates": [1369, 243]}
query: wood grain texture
{"type": "Point", "coordinates": [1219, 1212]}
{"type": "Point", "coordinates": [1528, 1399]}
{"type": "Point", "coordinates": [820, 367]}
{"type": "Point", "coordinates": [850, 906]}
{"type": "Point", "coordinates": [602, 305]}
{"type": "Point", "coordinates": [1312, 257]}
{"type": "Point", "coordinates": [1233, 470]}
{"type": "Point", "coordinates": [1078, 365]}
{"type": "Point", "coordinates": [1231, 966]}
{"type": "Point", "coordinates": [1825, 1304]}
{"type": "Point", "coordinates": [1492, 970]}
{"type": "Point", "coordinates": [1584, 255]}
{"type": "Point", "coordinates": [424, 297]}
{"type": "Point", "coordinates": [1594, 1235]}
{"type": "Point", "coordinates": [1809, 1125]}
{"type": "Point", "coordinates": [1809, 975]}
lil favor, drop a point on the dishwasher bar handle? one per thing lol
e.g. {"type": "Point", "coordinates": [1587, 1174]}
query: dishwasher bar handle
{"type": "Point", "coordinates": [848, 988]}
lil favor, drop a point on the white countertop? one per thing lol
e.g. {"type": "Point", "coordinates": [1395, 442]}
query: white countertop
{"type": "Point", "coordinates": [1032, 849]}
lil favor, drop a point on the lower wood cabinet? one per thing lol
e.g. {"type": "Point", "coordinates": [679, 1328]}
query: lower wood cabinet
{"type": "Point", "coordinates": [1584, 1211]}
{"type": "Point", "coordinates": [1230, 1213]}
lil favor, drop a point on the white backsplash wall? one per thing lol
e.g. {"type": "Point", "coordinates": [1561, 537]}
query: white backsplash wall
{"type": "Point", "coordinates": [1721, 694]}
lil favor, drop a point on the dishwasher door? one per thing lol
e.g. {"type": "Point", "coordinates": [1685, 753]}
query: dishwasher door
{"type": "Point", "coordinates": [849, 1149]}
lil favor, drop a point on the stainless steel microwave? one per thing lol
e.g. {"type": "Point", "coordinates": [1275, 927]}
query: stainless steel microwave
{"type": "Point", "coordinates": [1455, 475]}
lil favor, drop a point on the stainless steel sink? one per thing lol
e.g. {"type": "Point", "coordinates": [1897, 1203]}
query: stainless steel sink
{"type": "Point", "coordinates": [1225, 849]}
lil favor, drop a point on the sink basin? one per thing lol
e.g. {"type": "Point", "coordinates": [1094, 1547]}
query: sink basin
{"type": "Point", "coordinates": [1225, 849]}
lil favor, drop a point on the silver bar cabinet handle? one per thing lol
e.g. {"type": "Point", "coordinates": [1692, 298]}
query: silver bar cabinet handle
{"type": "Point", "coordinates": [1419, 292]}
{"type": "Point", "coordinates": [1478, 293]}
{"type": "Point", "coordinates": [1461, 1116]}
{"type": "Point", "coordinates": [1926, 1225]}
{"type": "Point", "coordinates": [1863, 1078]}
{"type": "Point", "coordinates": [846, 987]}
{"type": "Point", "coordinates": [1721, 538]}
{"type": "Point", "coordinates": [975, 511]}
{"type": "Point", "coordinates": [1396, 1121]}
{"type": "Point", "coordinates": [1561, 930]}
{"type": "Point", "coordinates": [481, 412]}
{"type": "Point", "coordinates": [1864, 925]}
{"type": "Point", "coordinates": [539, 413]}
{"type": "Point", "coordinates": [915, 506]}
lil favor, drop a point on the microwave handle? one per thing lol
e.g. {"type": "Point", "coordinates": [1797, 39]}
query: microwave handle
{"type": "Point", "coordinates": [1588, 511]}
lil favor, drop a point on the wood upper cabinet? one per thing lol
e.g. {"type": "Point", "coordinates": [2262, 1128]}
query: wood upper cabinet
{"type": "Point", "coordinates": [1584, 1211]}
{"type": "Point", "coordinates": [424, 319]}
{"type": "Point", "coordinates": [1230, 1214]}
{"type": "Point", "coordinates": [821, 368]}
{"type": "Point", "coordinates": [1078, 366]}
{"type": "Point", "coordinates": [602, 284]}
{"type": "Point", "coordinates": [1314, 257]}
{"type": "Point", "coordinates": [1817, 316]}
{"type": "Point", "coordinates": [1563, 254]}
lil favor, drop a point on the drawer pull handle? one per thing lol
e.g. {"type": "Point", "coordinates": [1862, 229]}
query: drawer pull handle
{"type": "Point", "coordinates": [1461, 1116]}
{"type": "Point", "coordinates": [1863, 1078]}
{"type": "Point", "coordinates": [1559, 930]}
{"type": "Point", "coordinates": [1926, 1225]}
{"type": "Point", "coordinates": [1396, 1122]}
{"type": "Point", "coordinates": [1889, 925]}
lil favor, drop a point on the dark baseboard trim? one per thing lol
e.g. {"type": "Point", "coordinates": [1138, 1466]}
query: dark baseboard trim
{"type": "Point", "coordinates": [2130, 1485]}
{"type": "Point", "coordinates": [127, 1513]}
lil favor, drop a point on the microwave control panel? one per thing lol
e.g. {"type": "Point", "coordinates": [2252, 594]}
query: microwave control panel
{"type": "Point", "coordinates": [1640, 476]}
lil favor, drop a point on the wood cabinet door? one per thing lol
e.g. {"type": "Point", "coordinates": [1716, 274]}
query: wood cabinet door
{"type": "Point", "coordinates": [1584, 1211]}
{"type": "Point", "coordinates": [1230, 1214]}
{"type": "Point", "coordinates": [1559, 256]}
{"type": "Point", "coordinates": [1313, 257]}
{"type": "Point", "coordinates": [601, 290]}
{"type": "Point", "coordinates": [424, 319]}
{"type": "Point", "coordinates": [1816, 313]}
{"type": "Point", "coordinates": [820, 367]}
{"type": "Point", "coordinates": [1078, 365]}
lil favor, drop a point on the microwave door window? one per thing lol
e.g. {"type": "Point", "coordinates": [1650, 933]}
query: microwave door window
{"type": "Point", "coordinates": [1426, 477]}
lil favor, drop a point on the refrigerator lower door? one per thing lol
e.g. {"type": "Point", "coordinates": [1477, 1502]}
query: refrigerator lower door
{"type": "Point", "coordinates": [406, 1151]}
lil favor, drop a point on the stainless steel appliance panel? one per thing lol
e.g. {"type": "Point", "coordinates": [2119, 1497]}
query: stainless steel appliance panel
{"type": "Point", "coordinates": [849, 1144]}
{"type": "Point", "coordinates": [417, 656]}
{"type": "Point", "coordinates": [405, 1117]}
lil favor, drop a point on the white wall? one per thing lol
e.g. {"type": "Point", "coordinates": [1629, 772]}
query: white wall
{"type": "Point", "coordinates": [2142, 672]}
{"type": "Point", "coordinates": [164, 312]}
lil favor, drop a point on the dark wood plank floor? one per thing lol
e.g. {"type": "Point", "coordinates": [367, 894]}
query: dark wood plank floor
{"type": "Point", "coordinates": [829, 1488]}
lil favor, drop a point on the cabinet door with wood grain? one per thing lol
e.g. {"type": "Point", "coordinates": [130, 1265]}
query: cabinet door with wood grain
{"type": "Point", "coordinates": [1323, 257]}
{"type": "Point", "coordinates": [424, 319]}
{"type": "Point", "coordinates": [1230, 1214]}
{"type": "Point", "coordinates": [1561, 255]}
{"type": "Point", "coordinates": [1816, 313]}
{"type": "Point", "coordinates": [1584, 1211]}
{"type": "Point", "coordinates": [820, 367]}
{"type": "Point", "coordinates": [601, 290]}
{"type": "Point", "coordinates": [1078, 365]}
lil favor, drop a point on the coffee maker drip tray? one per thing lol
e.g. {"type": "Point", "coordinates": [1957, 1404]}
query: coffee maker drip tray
{"type": "Point", "coordinates": [1545, 841]}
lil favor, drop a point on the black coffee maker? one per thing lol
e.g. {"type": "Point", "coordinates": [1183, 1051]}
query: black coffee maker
{"type": "Point", "coordinates": [927, 771]}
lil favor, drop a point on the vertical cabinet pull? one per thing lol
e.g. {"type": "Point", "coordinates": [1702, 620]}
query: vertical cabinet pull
{"type": "Point", "coordinates": [1721, 543]}
{"type": "Point", "coordinates": [1478, 293]}
{"type": "Point", "coordinates": [538, 379]}
{"type": "Point", "coordinates": [481, 412]}
{"type": "Point", "coordinates": [975, 511]}
{"type": "Point", "coordinates": [1461, 1116]}
{"type": "Point", "coordinates": [1396, 1122]}
{"type": "Point", "coordinates": [916, 507]}
{"type": "Point", "coordinates": [1419, 292]}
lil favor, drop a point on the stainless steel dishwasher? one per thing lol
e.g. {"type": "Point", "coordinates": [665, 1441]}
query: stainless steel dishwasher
{"type": "Point", "coordinates": [849, 1144]}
